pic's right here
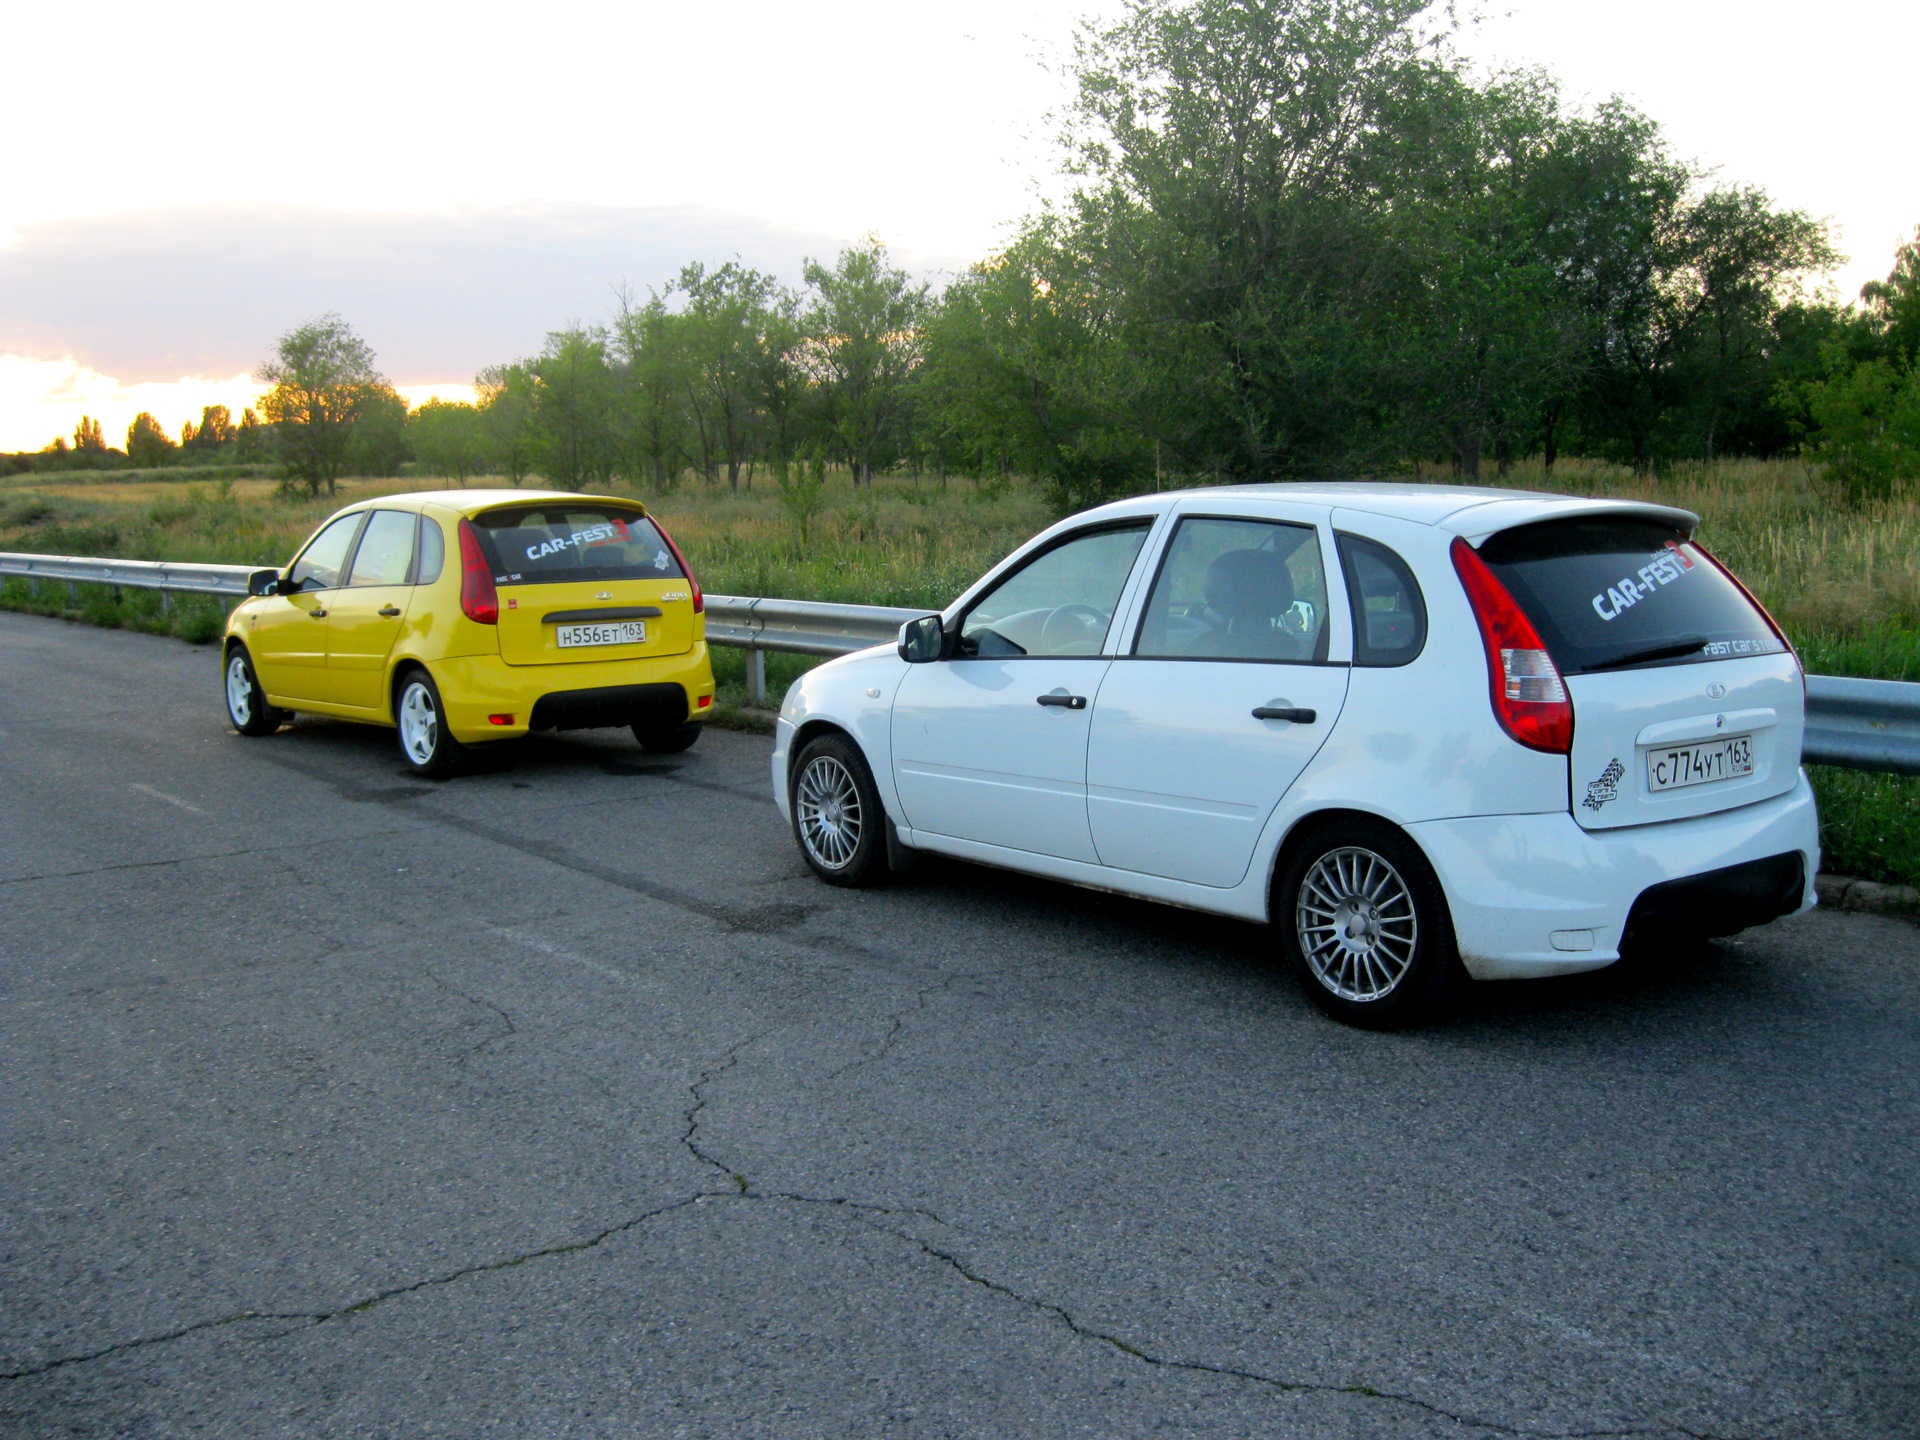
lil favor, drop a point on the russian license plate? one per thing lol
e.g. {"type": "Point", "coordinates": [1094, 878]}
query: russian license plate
{"type": "Point", "coordinates": [1677, 766]}
{"type": "Point", "coordinates": [619, 632]}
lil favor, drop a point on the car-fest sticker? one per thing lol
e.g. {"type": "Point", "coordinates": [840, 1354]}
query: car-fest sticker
{"type": "Point", "coordinates": [1661, 570]}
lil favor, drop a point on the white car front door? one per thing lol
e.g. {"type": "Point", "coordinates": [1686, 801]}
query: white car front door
{"type": "Point", "coordinates": [990, 744]}
{"type": "Point", "coordinates": [1224, 696]}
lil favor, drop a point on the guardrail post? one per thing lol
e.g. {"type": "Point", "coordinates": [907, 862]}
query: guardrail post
{"type": "Point", "coordinates": [33, 587]}
{"type": "Point", "coordinates": [166, 602]}
{"type": "Point", "coordinates": [73, 593]}
{"type": "Point", "coordinates": [756, 676]}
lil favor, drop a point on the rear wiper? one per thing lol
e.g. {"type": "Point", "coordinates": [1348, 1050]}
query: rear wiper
{"type": "Point", "coordinates": [1670, 650]}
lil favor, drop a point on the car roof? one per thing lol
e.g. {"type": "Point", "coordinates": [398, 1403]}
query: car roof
{"type": "Point", "coordinates": [1474, 511]}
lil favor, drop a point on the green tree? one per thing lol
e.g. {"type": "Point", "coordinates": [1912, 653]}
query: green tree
{"type": "Point", "coordinates": [249, 436]}
{"type": "Point", "coordinates": [1893, 305]}
{"type": "Point", "coordinates": [1865, 412]}
{"type": "Point", "coordinates": [863, 330]}
{"type": "Point", "coordinates": [572, 430]}
{"type": "Point", "coordinates": [650, 344]}
{"type": "Point", "coordinates": [148, 444]}
{"type": "Point", "coordinates": [87, 439]}
{"type": "Point", "coordinates": [1230, 231]}
{"type": "Point", "coordinates": [379, 444]}
{"type": "Point", "coordinates": [727, 313]}
{"type": "Point", "coordinates": [1019, 374]}
{"type": "Point", "coordinates": [215, 432]}
{"type": "Point", "coordinates": [449, 439]}
{"type": "Point", "coordinates": [506, 417]}
{"type": "Point", "coordinates": [1868, 420]}
{"type": "Point", "coordinates": [323, 380]}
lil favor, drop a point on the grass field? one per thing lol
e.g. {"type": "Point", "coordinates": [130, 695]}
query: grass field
{"type": "Point", "coordinates": [1844, 583]}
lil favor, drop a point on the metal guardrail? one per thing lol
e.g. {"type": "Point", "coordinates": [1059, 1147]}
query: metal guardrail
{"type": "Point", "coordinates": [169, 577]}
{"type": "Point", "coordinates": [797, 627]}
{"type": "Point", "coordinates": [1854, 724]}
{"type": "Point", "coordinates": [1863, 724]}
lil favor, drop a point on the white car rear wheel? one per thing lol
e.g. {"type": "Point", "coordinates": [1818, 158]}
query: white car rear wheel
{"type": "Point", "coordinates": [1365, 925]}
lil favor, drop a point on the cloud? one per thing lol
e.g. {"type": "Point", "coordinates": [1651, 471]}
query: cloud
{"type": "Point", "coordinates": [170, 293]}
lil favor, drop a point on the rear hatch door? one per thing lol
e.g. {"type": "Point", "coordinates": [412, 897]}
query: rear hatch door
{"type": "Point", "coordinates": [584, 580]}
{"type": "Point", "coordinates": [1686, 701]}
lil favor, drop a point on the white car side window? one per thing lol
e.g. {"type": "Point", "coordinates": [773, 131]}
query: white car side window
{"type": "Point", "coordinates": [1238, 590]}
{"type": "Point", "coordinates": [1058, 604]}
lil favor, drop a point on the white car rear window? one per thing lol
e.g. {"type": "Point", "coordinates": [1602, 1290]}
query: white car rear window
{"type": "Point", "coordinates": [1611, 593]}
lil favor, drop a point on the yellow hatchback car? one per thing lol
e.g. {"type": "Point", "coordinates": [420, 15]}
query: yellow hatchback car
{"type": "Point", "coordinates": [465, 616]}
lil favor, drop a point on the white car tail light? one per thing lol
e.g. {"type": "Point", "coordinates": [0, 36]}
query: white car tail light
{"type": "Point", "coordinates": [1529, 696]}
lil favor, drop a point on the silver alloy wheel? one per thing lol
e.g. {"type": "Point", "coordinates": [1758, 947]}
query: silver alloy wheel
{"type": "Point", "coordinates": [1356, 923]}
{"type": "Point", "coordinates": [419, 723]}
{"type": "Point", "coordinates": [239, 690]}
{"type": "Point", "coordinates": [827, 806]}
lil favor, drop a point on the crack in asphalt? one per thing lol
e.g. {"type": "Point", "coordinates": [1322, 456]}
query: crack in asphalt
{"type": "Point", "coordinates": [866, 1211]}
{"type": "Point", "coordinates": [478, 1004]}
{"type": "Point", "coordinates": [876, 1217]}
{"type": "Point", "coordinates": [308, 1319]}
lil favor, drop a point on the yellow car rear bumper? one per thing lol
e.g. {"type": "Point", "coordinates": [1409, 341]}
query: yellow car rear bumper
{"type": "Point", "coordinates": [475, 688]}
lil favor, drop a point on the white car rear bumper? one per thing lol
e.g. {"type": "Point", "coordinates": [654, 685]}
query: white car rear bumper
{"type": "Point", "coordinates": [1535, 895]}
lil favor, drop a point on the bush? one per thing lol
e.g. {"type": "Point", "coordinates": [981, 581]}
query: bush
{"type": "Point", "coordinates": [1869, 427]}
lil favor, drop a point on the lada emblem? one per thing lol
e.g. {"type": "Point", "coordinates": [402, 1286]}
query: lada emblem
{"type": "Point", "coordinates": [604, 595]}
{"type": "Point", "coordinates": [1716, 690]}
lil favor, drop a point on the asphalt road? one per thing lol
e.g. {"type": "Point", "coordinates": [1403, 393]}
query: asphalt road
{"type": "Point", "coordinates": [559, 1099]}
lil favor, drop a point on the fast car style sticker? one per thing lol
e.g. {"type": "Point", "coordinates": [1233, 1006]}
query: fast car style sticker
{"type": "Point", "coordinates": [1661, 570]}
{"type": "Point", "coordinates": [1606, 788]}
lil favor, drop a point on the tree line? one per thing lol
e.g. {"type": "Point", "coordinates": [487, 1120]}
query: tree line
{"type": "Point", "coordinates": [1302, 239]}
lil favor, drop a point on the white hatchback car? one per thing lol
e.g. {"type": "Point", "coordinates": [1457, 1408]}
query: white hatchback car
{"type": "Point", "coordinates": [1419, 729]}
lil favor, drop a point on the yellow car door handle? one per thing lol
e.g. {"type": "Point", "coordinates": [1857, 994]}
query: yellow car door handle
{"type": "Point", "coordinates": [318, 614]}
{"type": "Point", "coordinates": [389, 610]}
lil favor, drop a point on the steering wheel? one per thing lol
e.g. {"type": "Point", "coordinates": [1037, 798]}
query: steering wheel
{"type": "Point", "coordinates": [1070, 624]}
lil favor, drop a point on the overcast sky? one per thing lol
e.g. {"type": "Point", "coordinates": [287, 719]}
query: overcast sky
{"type": "Point", "coordinates": [458, 179]}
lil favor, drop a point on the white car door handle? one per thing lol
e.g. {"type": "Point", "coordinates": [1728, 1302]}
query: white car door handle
{"type": "Point", "coordinates": [1286, 712]}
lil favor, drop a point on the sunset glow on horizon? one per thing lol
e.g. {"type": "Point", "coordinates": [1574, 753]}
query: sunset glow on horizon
{"type": "Point", "coordinates": [41, 400]}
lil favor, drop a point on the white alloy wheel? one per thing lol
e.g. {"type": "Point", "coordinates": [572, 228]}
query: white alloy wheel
{"type": "Point", "coordinates": [1357, 924]}
{"type": "Point", "coordinates": [419, 723]}
{"type": "Point", "coordinates": [828, 812]}
{"type": "Point", "coordinates": [247, 705]}
{"type": "Point", "coordinates": [239, 691]}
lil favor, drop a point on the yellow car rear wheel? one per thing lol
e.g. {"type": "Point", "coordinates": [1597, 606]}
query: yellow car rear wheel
{"type": "Point", "coordinates": [425, 742]}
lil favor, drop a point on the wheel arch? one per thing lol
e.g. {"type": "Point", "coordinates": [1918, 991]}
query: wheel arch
{"type": "Point", "coordinates": [1303, 828]}
{"type": "Point", "coordinates": [402, 666]}
{"type": "Point", "coordinates": [812, 730]}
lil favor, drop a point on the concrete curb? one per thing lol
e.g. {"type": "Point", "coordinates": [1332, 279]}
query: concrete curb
{"type": "Point", "coordinates": [1843, 892]}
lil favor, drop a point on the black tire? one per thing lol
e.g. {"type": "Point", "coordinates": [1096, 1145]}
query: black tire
{"type": "Point", "coordinates": [247, 707]}
{"type": "Point", "coordinates": [668, 739]}
{"type": "Point", "coordinates": [420, 719]}
{"type": "Point", "coordinates": [838, 820]}
{"type": "Point", "coordinates": [1365, 925]}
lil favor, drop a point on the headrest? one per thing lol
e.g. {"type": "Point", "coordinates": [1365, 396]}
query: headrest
{"type": "Point", "coordinates": [1249, 585]}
